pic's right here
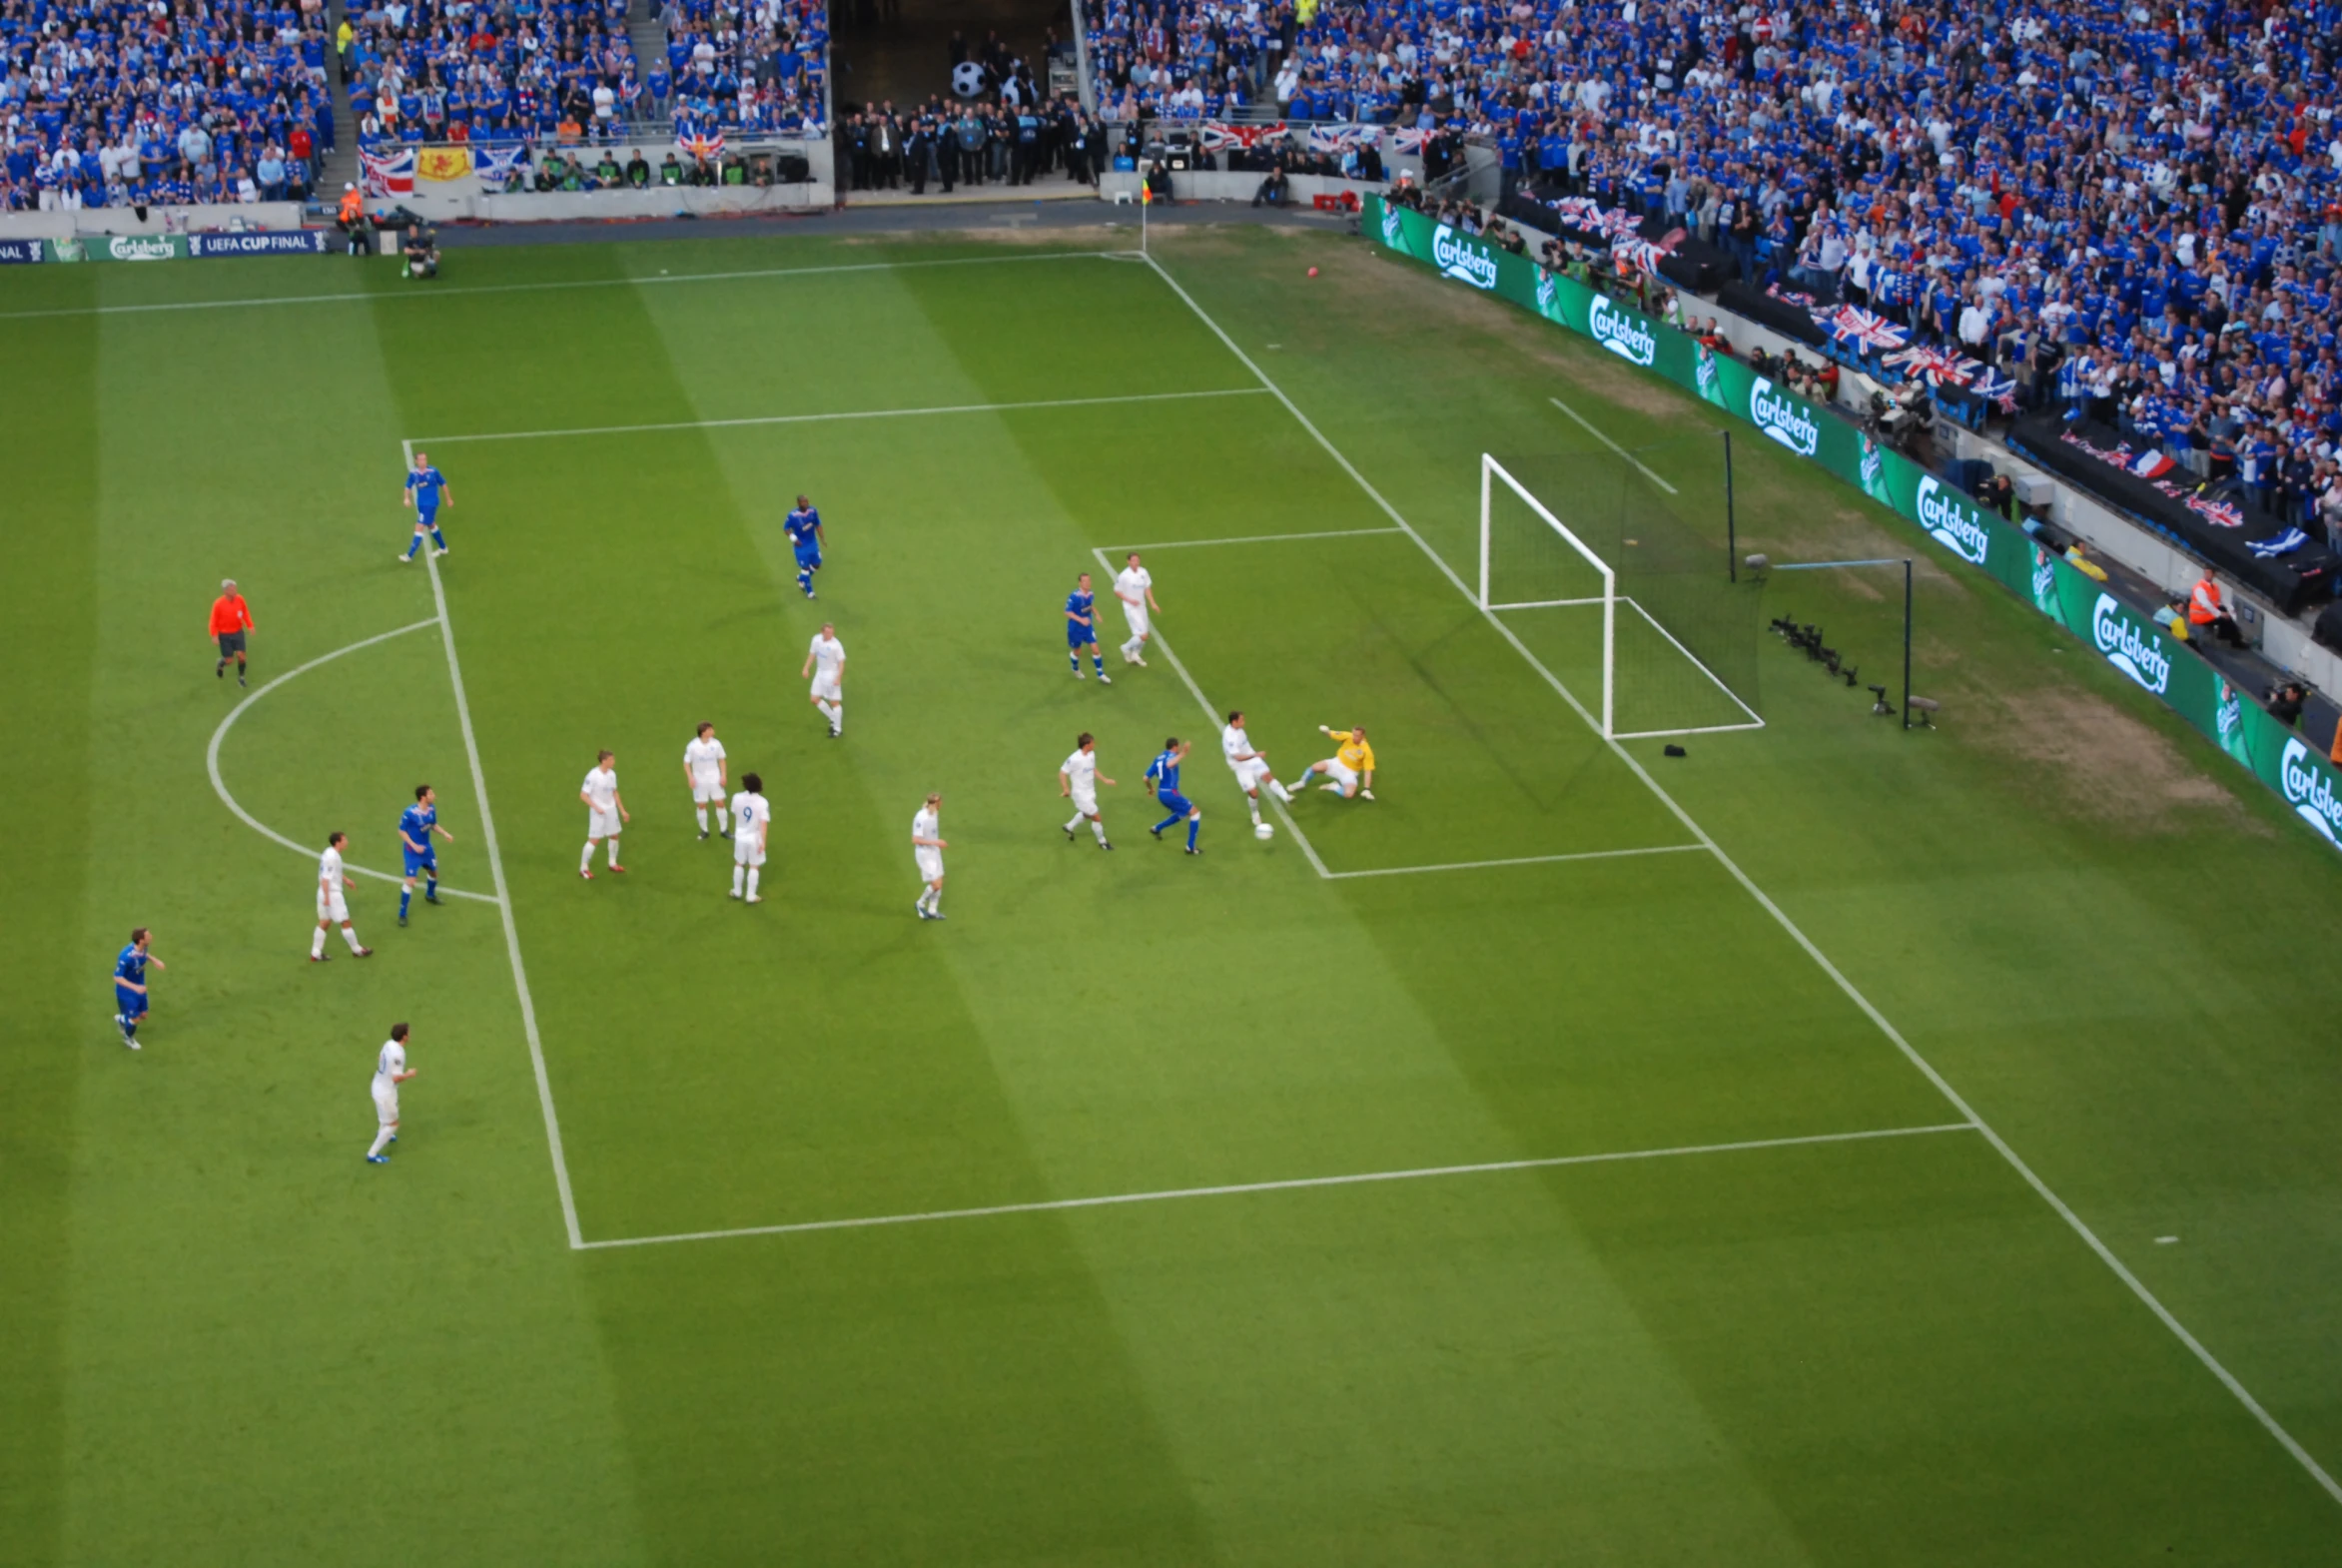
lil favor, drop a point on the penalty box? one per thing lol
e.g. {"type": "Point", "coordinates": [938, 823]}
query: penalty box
{"type": "Point", "coordinates": [1484, 768]}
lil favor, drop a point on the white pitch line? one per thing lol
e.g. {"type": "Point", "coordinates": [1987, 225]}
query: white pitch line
{"type": "Point", "coordinates": [393, 296]}
{"type": "Point", "coordinates": [1212, 716]}
{"type": "Point", "coordinates": [1259, 539]}
{"type": "Point", "coordinates": [220, 785]}
{"type": "Point", "coordinates": [851, 413]}
{"type": "Point", "coordinates": [2074, 1221]}
{"type": "Point", "coordinates": [1296, 1184]}
{"type": "Point", "coordinates": [1614, 447]}
{"type": "Point", "coordinates": [487, 832]}
{"type": "Point", "coordinates": [1524, 860]}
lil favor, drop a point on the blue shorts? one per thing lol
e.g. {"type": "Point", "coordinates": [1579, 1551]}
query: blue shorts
{"type": "Point", "coordinates": [808, 555]}
{"type": "Point", "coordinates": [425, 864]}
{"type": "Point", "coordinates": [130, 1003]}
{"type": "Point", "coordinates": [1080, 637]}
{"type": "Point", "coordinates": [428, 518]}
{"type": "Point", "coordinates": [1175, 803]}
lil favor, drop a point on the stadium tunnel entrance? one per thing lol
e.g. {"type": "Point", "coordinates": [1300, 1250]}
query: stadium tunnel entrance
{"type": "Point", "coordinates": [903, 51]}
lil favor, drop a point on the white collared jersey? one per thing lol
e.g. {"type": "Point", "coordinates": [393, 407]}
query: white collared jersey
{"type": "Point", "coordinates": [1235, 744]}
{"type": "Point", "coordinates": [705, 759]}
{"type": "Point", "coordinates": [923, 826]}
{"type": "Point", "coordinates": [389, 1065]}
{"type": "Point", "coordinates": [1131, 583]}
{"type": "Point", "coordinates": [601, 787]}
{"type": "Point", "coordinates": [828, 654]}
{"type": "Point", "coordinates": [1081, 770]}
{"type": "Point", "coordinates": [329, 871]}
{"type": "Point", "coordinates": [751, 814]}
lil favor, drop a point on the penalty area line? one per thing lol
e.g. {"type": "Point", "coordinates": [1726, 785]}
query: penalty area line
{"type": "Point", "coordinates": [1523, 860]}
{"type": "Point", "coordinates": [1614, 447]}
{"type": "Point", "coordinates": [219, 735]}
{"type": "Point", "coordinates": [1256, 538]}
{"type": "Point", "coordinates": [1290, 1184]}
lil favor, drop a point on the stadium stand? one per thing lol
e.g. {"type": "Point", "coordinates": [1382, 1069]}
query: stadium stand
{"type": "Point", "coordinates": [120, 104]}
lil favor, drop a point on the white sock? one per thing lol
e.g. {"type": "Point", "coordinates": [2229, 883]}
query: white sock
{"type": "Point", "coordinates": [1072, 822]}
{"type": "Point", "coordinates": [382, 1142]}
{"type": "Point", "coordinates": [1098, 827]}
{"type": "Point", "coordinates": [723, 819]}
{"type": "Point", "coordinates": [350, 935]}
{"type": "Point", "coordinates": [613, 841]}
{"type": "Point", "coordinates": [316, 943]}
{"type": "Point", "coordinates": [586, 863]}
{"type": "Point", "coordinates": [838, 716]}
{"type": "Point", "coordinates": [737, 873]}
{"type": "Point", "coordinates": [1253, 802]}
{"type": "Point", "coordinates": [703, 819]}
{"type": "Point", "coordinates": [753, 874]}
{"type": "Point", "coordinates": [1280, 792]}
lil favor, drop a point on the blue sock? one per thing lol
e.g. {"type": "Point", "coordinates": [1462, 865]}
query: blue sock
{"type": "Point", "coordinates": [1074, 659]}
{"type": "Point", "coordinates": [1193, 824]}
{"type": "Point", "coordinates": [1170, 821]}
{"type": "Point", "coordinates": [416, 545]}
{"type": "Point", "coordinates": [431, 889]}
{"type": "Point", "coordinates": [805, 579]}
{"type": "Point", "coordinates": [1099, 659]}
{"type": "Point", "coordinates": [438, 537]}
{"type": "Point", "coordinates": [405, 894]}
{"type": "Point", "coordinates": [130, 1028]}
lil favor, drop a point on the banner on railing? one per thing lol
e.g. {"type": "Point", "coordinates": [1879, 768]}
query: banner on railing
{"type": "Point", "coordinates": [498, 167]}
{"type": "Point", "coordinates": [22, 251]}
{"type": "Point", "coordinates": [387, 173]}
{"type": "Point", "coordinates": [443, 163]}
{"type": "Point", "coordinates": [263, 241]}
{"type": "Point", "coordinates": [2139, 648]}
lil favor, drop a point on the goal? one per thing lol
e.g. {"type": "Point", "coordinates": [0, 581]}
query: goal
{"type": "Point", "coordinates": [1594, 566]}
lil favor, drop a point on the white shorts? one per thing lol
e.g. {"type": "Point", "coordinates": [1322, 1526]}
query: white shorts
{"type": "Point", "coordinates": [1250, 774]}
{"type": "Point", "coordinates": [825, 689]}
{"type": "Point", "coordinates": [387, 1107]}
{"type": "Point", "coordinates": [333, 909]}
{"type": "Point", "coordinates": [1086, 802]}
{"type": "Point", "coordinates": [746, 852]}
{"type": "Point", "coordinates": [601, 824]}
{"type": "Point", "coordinates": [1347, 778]}
{"type": "Point", "coordinates": [931, 864]}
{"type": "Point", "coordinates": [1135, 614]}
{"type": "Point", "coordinates": [704, 792]}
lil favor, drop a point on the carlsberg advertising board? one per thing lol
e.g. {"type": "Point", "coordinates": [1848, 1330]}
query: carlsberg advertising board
{"type": "Point", "coordinates": [2138, 648]}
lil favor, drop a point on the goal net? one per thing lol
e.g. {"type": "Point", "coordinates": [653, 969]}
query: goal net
{"type": "Point", "coordinates": [1595, 561]}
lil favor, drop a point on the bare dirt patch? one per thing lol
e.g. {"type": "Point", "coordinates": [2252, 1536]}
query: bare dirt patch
{"type": "Point", "coordinates": [2102, 763]}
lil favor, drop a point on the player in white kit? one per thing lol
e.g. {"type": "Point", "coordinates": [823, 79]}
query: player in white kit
{"type": "Point", "coordinates": [606, 813]}
{"type": "Point", "coordinates": [332, 909]}
{"type": "Point", "coordinates": [391, 1069]}
{"type": "Point", "coordinates": [825, 661]}
{"type": "Point", "coordinates": [1250, 767]}
{"type": "Point", "coordinates": [704, 770]}
{"type": "Point", "coordinates": [1134, 586]}
{"type": "Point", "coordinates": [753, 815]}
{"type": "Point", "coordinates": [1078, 776]}
{"type": "Point", "coordinates": [926, 848]}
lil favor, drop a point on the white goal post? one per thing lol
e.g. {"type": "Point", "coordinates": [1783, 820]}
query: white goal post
{"type": "Point", "coordinates": [1492, 470]}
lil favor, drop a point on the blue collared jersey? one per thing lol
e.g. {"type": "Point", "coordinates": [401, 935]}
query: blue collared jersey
{"type": "Point", "coordinates": [424, 486]}
{"type": "Point", "coordinates": [416, 823]}
{"type": "Point", "coordinates": [1078, 602]}
{"type": "Point", "coordinates": [1164, 772]}
{"type": "Point", "coordinates": [130, 965]}
{"type": "Point", "coordinates": [803, 523]}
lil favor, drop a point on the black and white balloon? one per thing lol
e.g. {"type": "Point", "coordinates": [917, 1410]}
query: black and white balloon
{"type": "Point", "coordinates": [966, 78]}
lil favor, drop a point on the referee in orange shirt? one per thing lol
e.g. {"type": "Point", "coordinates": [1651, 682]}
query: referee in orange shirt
{"type": "Point", "coordinates": [231, 619]}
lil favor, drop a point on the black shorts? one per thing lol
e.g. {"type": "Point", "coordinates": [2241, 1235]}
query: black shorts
{"type": "Point", "coordinates": [231, 644]}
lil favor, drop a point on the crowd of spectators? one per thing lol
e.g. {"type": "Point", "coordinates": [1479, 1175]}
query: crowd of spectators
{"type": "Point", "coordinates": [2132, 207]}
{"type": "Point", "coordinates": [131, 103]}
{"type": "Point", "coordinates": [565, 71]}
{"type": "Point", "coordinates": [883, 148]}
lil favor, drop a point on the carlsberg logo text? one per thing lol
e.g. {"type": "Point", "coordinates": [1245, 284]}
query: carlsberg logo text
{"type": "Point", "coordinates": [1781, 419]}
{"type": "Point", "coordinates": [2127, 648]}
{"type": "Point", "coordinates": [1391, 226]}
{"type": "Point", "coordinates": [2310, 792]}
{"type": "Point", "coordinates": [1952, 523]}
{"type": "Point", "coordinates": [132, 248]}
{"type": "Point", "coordinates": [1461, 259]}
{"type": "Point", "coordinates": [1620, 332]}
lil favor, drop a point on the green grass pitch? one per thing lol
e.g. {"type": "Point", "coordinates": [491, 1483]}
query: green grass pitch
{"type": "Point", "coordinates": [1729, 1275]}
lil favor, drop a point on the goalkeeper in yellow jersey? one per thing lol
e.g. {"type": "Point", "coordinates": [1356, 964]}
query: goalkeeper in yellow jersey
{"type": "Point", "coordinates": [1350, 770]}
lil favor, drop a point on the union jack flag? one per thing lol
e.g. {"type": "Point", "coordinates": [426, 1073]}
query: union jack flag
{"type": "Point", "coordinates": [1218, 134]}
{"type": "Point", "coordinates": [1995, 388]}
{"type": "Point", "coordinates": [1616, 222]}
{"type": "Point", "coordinates": [1866, 330]}
{"type": "Point", "coordinates": [1639, 253]}
{"type": "Point", "coordinates": [1936, 365]}
{"type": "Point", "coordinates": [1411, 140]}
{"type": "Point", "coordinates": [390, 174]}
{"type": "Point", "coordinates": [1579, 212]}
{"type": "Point", "coordinates": [2221, 515]}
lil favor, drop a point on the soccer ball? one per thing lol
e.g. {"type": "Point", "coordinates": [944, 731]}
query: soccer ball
{"type": "Point", "coordinates": [1263, 832]}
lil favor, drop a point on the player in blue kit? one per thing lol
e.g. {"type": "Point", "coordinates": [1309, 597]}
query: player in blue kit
{"type": "Point", "coordinates": [426, 486]}
{"type": "Point", "coordinates": [130, 983]}
{"type": "Point", "coordinates": [805, 535]}
{"type": "Point", "coordinates": [1081, 629]}
{"type": "Point", "coordinates": [416, 824]}
{"type": "Point", "coordinates": [1162, 779]}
